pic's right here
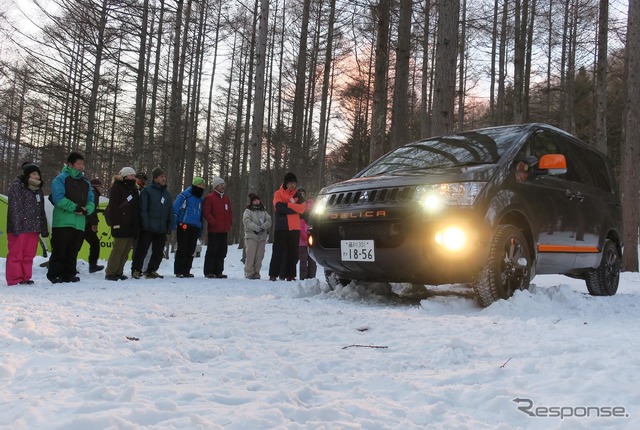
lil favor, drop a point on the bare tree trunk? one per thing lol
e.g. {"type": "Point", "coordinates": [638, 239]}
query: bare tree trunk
{"type": "Point", "coordinates": [549, 56]}
{"type": "Point", "coordinates": [175, 110]}
{"type": "Point", "coordinates": [379, 108]}
{"type": "Point", "coordinates": [527, 62]}
{"type": "Point", "coordinates": [138, 128]}
{"type": "Point", "coordinates": [298, 100]}
{"type": "Point", "coordinates": [502, 64]}
{"type": "Point", "coordinates": [324, 112]}
{"type": "Point", "coordinates": [190, 158]}
{"type": "Point", "coordinates": [563, 65]}
{"type": "Point", "coordinates": [631, 146]}
{"type": "Point", "coordinates": [154, 90]}
{"type": "Point", "coordinates": [400, 123]}
{"type": "Point", "coordinates": [442, 120]}
{"type": "Point", "coordinates": [461, 65]}
{"type": "Point", "coordinates": [114, 111]}
{"type": "Point", "coordinates": [521, 9]}
{"type": "Point", "coordinates": [426, 68]}
{"type": "Point", "coordinates": [492, 72]}
{"type": "Point", "coordinates": [601, 77]}
{"type": "Point", "coordinates": [258, 110]}
{"type": "Point", "coordinates": [207, 145]}
{"type": "Point", "coordinates": [95, 86]}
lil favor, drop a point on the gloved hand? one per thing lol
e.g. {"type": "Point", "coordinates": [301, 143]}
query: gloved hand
{"type": "Point", "coordinates": [44, 233]}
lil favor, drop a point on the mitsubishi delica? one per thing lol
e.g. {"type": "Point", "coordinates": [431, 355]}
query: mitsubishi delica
{"type": "Point", "coordinates": [489, 208]}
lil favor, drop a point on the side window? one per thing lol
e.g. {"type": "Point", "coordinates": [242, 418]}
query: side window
{"type": "Point", "coordinates": [600, 172]}
{"type": "Point", "coordinates": [595, 171]}
{"type": "Point", "coordinates": [539, 144]}
{"type": "Point", "coordinates": [578, 163]}
{"type": "Point", "coordinates": [545, 143]}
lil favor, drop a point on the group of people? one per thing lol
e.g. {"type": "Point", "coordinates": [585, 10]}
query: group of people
{"type": "Point", "coordinates": [141, 214]}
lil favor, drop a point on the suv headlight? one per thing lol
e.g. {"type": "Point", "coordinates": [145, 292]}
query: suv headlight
{"type": "Point", "coordinates": [320, 205]}
{"type": "Point", "coordinates": [435, 196]}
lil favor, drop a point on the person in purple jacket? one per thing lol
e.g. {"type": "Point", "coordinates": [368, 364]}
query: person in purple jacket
{"type": "Point", "coordinates": [26, 220]}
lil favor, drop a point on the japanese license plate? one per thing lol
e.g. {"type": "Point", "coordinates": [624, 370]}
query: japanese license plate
{"type": "Point", "coordinates": [357, 250]}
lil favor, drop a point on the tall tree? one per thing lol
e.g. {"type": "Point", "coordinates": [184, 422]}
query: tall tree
{"type": "Point", "coordinates": [379, 108]}
{"type": "Point", "coordinates": [298, 100]}
{"type": "Point", "coordinates": [95, 87]}
{"type": "Point", "coordinates": [601, 76]}
{"type": "Point", "coordinates": [138, 128]}
{"type": "Point", "coordinates": [324, 109]}
{"type": "Point", "coordinates": [442, 119]}
{"type": "Point", "coordinates": [426, 73]}
{"type": "Point", "coordinates": [400, 112]}
{"type": "Point", "coordinates": [258, 110]}
{"type": "Point", "coordinates": [630, 175]}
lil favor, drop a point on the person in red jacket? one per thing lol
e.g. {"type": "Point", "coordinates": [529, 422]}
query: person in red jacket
{"type": "Point", "coordinates": [288, 204]}
{"type": "Point", "coordinates": [217, 211]}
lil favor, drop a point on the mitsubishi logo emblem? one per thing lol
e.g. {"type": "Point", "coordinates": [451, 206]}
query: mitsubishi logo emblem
{"type": "Point", "coordinates": [364, 197]}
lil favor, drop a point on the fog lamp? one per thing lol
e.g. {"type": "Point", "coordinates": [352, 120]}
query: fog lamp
{"type": "Point", "coordinates": [451, 238]}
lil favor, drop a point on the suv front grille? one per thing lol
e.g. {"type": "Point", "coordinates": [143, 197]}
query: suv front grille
{"type": "Point", "coordinates": [383, 195]}
{"type": "Point", "coordinates": [386, 234]}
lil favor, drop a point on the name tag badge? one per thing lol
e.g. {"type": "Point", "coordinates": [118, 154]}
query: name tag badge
{"type": "Point", "coordinates": [129, 197]}
{"type": "Point", "coordinates": [38, 198]}
{"type": "Point", "coordinates": [162, 200]}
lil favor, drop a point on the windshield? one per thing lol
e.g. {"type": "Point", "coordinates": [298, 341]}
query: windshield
{"type": "Point", "coordinates": [484, 146]}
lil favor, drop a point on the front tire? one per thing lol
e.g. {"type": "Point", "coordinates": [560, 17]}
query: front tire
{"type": "Point", "coordinates": [604, 280]}
{"type": "Point", "coordinates": [508, 267]}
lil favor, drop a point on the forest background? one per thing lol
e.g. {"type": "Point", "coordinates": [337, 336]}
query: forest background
{"type": "Point", "coordinates": [250, 90]}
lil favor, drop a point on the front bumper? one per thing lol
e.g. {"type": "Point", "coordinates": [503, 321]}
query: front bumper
{"type": "Point", "coordinates": [405, 246]}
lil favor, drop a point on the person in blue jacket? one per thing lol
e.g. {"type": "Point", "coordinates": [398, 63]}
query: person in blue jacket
{"type": "Point", "coordinates": [187, 213]}
{"type": "Point", "coordinates": [156, 218]}
{"type": "Point", "coordinates": [72, 199]}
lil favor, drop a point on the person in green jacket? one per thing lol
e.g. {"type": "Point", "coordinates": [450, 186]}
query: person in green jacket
{"type": "Point", "coordinates": [73, 200]}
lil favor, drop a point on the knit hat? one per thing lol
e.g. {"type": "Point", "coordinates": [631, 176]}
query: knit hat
{"type": "Point", "coordinates": [96, 182]}
{"type": "Point", "coordinates": [302, 190]}
{"type": "Point", "coordinates": [141, 175]}
{"type": "Point", "coordinates": [157, 172]}
{"type": "Point", "coordinates": [198, 181]}
{"type": "Point", "coordinates": [73, 157]}
{"type": "Point", "coordinates": [29, 167]}
{"type": "Point", "coordinates": [289, 177]}
{"type": "Point", "coordinates": [126, 171]}
{"type": "Point", "coordinates": [217, 181]}
{"type": "Point", "coordinates": [253, 196]}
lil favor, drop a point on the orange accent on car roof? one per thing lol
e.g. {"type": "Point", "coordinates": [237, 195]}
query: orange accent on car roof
{"type": "Point", "coordinates": [564, 248]}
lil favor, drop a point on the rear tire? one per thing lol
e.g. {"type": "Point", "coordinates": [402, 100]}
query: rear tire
{"type": "Point", "coordinates": [333, 280]}
{"type": "Point", "coordinates": [505, 271]}
{"type": "Point", "coordinates": [603, 281]}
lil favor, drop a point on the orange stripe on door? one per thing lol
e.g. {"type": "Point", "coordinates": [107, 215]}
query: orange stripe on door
{"type": "Point", "coordinates": [563, 248]}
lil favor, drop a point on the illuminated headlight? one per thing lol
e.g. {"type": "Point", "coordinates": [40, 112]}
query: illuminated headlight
{"type": "Point", "coordinates": [310, 241]}
{"type": "Point", "coordinates": [320, 205]}
{"type": "Point", "coordinates": [452, 238]}
{"type": "Point", "coordinates": [434, 197]}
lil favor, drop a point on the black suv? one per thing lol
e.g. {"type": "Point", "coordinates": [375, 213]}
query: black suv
{"type": "Point", "coordinates": [491, 207]}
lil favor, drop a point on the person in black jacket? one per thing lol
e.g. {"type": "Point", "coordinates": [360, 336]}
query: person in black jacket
{"type": "Point", "coordinates": [156, 217]}
{"type": "Point", "coordinates": [123, 214]}
{"type": "Point", "coordinates": [91, 230]}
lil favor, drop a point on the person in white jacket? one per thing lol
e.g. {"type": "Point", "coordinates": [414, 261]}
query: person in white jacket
{"type": "Point", "coordinates": [256, 222]}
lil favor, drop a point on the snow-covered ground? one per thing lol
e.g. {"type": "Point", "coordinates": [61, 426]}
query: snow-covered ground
{"type": "Point", "coordinates": [243, 354]}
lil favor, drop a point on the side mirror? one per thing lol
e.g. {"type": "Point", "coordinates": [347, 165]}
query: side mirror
{"type": "Point", "coordinates": [552, 164]}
